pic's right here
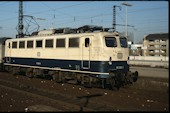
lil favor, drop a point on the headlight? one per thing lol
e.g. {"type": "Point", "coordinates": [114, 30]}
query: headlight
{"type": "Point", "coordinates": [110, 61]}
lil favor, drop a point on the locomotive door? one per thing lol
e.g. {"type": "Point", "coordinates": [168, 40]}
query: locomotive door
{"type": "Point", "coordinates": [86, 45]}
{"type": "Point", "coordinates": [8, 52]}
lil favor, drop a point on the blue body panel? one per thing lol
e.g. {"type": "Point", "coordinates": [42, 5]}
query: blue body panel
{"type": "Point", "coordinates": [95, 66]}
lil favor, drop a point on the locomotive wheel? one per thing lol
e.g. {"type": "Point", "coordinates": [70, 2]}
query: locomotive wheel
{"type": "Point", "coordinates": [13, 70]}
{"type": "Point", "coordinates": [86, 81]}
{"type": "Point", "coordinates": [88, 84]}
{"type": "Point", "coordinates": [22, 71]}
{"type": "Point", "coordinates": [7, 68]}
{"type": "Point", "coordinates": [113, 84]}
{"type": "Point", "coordinates": [29, 73]}
{"type": "Point", "coordinates": [58, 77]}
{"type": "Point", "coordinates": [103, 83]}
{"type": "Point", "coordinates": [128, 80]}
{"type": "Point", "coordinates": [135, 76]}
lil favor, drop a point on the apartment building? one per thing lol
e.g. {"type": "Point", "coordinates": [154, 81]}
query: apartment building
{"type": "Point", "coordinates": [156, 44]}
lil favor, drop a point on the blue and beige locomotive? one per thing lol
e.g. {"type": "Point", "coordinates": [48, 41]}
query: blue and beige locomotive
{"type": "Point", "coordinates": [90, 56]}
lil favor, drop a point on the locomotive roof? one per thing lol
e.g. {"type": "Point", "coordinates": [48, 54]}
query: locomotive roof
{"type": "Point", "coordinates": [69, 35]}
{"type": "Point", "coordinates": [72, 32]}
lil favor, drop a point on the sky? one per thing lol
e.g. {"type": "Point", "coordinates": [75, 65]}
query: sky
{"type": "Point", "coordinates": [143, 17]}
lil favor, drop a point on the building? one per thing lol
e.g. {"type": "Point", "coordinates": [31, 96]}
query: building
{"type": "Point", "coordinates": [156, 44]}
{"type": "Point", "coordinates": [137, 50]}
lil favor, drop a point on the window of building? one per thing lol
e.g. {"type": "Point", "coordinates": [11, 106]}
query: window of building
{"type": "Point", "coordinates": [22, 44]}
{"type": "Point", "coordinates": [49, 43]}
{"type": "Point", "coordinates": [151, 40]}
{"type": "Point", "coordinates": [156, 40]}
{"type": "Point", "coordinates": [14, 44]}
{"type": "Point", "coordinates": [38, 43]}
{"type": "Point", "coordinates": [30, 44]}
{"type": "Point", "coordinates": [60, 43]}
{"type": "Point", "coordinates": [73, 42]}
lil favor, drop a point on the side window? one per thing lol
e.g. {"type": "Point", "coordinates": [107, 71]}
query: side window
{"type": "Point", "coordinates": [87, 42]}
{"type": "Point", "coordinates": [14, 44]}
{"type": "Point", "coordinates": [22, 44]}
{"type": "Point", "coordinates": [38, 43]}
{"type": "Point", "coordinates": [49, 43]}
{"type": "Point", "coordinates": [73, 42]}
{"type": "Point", "coordinates": [9, 45]}
{"type": "Point", "coordinates": [30, 44]}
{"type": "Point", "coordinates": [60, 43]}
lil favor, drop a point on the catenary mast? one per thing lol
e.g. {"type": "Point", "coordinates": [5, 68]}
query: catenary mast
{"type": "Point", "coordinates": [20, 21]}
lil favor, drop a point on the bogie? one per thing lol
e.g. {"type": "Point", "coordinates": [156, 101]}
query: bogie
{"type": "Point", "coordinates": [114, 82]}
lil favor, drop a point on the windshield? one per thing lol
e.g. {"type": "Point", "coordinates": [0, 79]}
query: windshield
{"type": "Point", "coordinates": [110, 41]}
{"type": "Point", "coordinates": [123, 42]}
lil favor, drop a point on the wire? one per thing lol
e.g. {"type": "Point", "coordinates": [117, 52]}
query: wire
{"type": "Point", "coordinates": [90, 17]}
{"type": "Point", "coordinates": [73, 5]}
{"type": "Point", "coordinates": [68, 14]}
{"type": "Point", "coordinates": [149, 9]}
{"type": "Point", "coordinates": [4, 3]}
{"type": "Point", "coordinates": [79, 18]}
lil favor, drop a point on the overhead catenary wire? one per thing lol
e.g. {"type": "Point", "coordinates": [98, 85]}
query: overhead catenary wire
{"type": "Point", "coordinates": [90, 17]}
{"type": "Point", "coordinates": [74, 16]}
{"type": "Point", "coordinates": [79, 16]}
{"type": "Point", "coordinates": [5, 3]}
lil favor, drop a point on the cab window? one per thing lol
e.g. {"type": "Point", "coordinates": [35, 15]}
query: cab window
{"type": "Point", "coordinates": [110, 41]}
{"type": "Point", "coordinates": [123, 42]}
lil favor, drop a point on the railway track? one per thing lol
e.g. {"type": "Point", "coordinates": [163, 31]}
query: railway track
{"type": "Point", "coordinates": [68, 97]}
{"type": "Point", "coordinates": [66, 102]}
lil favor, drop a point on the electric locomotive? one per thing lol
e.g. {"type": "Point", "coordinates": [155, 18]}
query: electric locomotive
{"type": "Point", "coordinates": [89, 55]}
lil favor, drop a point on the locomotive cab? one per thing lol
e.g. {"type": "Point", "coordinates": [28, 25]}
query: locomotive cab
{"type": "Point", "coordinates": [117, 53]}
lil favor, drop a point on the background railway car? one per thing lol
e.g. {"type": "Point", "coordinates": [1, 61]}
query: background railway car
{"type": "Point", "coordinates": [2, 51]}
{"type": "Point", "coordinates": [93, 58]}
